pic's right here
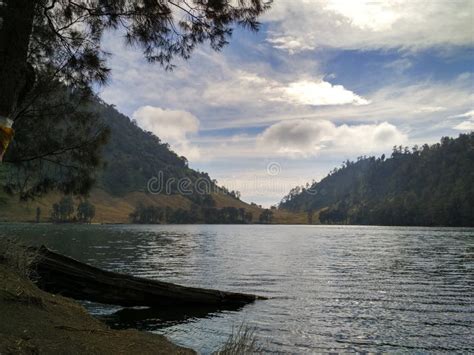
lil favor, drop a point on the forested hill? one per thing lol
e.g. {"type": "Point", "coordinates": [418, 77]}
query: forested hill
{"type": "Point", "coordinates": [426, 186]}
{"type": "Point", "coordinates": [133, 156]}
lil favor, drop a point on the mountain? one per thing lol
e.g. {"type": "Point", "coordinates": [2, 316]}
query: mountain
{"type": "Point", "coordinates": [426, 186]}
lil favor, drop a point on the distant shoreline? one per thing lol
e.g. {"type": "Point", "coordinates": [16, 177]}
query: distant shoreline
{"type": "Point", "coordinates": [229, 224]}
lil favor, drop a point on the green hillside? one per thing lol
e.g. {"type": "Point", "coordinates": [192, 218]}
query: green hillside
{"type": "Point", "coordinates": [428, 185]}
{"type": "Point", "coordinates": [133, 156]}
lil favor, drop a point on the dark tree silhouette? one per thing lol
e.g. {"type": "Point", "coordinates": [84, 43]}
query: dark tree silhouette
{"type": "Point", "coordinates": [57, 143]}
{"type": "Point", "coordinates": [147, 215]}
{"type": "Point", "coordinates": [85, 212]}
{"type": "Point", "coordinates": [266, 216]}
{"type": "Point", "coordinates": [63, 210]}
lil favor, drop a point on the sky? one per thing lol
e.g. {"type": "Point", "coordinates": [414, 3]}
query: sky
{"type": "Point", "coordinates": [323, 81]}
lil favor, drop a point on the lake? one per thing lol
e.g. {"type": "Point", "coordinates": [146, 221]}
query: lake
{"type": "Point", "coordinates": [331, 288]}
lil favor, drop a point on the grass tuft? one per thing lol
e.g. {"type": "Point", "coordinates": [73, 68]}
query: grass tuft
{"type": "Point", "coordinates": [241, 341]}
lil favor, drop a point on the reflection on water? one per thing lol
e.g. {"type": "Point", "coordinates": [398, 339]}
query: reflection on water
{"type": "Point", "coordinates": [331, 288]}
{"type": "Point", "coordinates": [157, 318]}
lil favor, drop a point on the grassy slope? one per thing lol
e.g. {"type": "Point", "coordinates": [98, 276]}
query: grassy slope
{"type": "Point", "coordinates": [112, 209]}
{"type": "Point", "coordinates": [109, 209]}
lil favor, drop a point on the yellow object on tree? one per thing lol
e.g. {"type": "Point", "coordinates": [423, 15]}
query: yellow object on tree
{"type": "Point", "coordinates": [6, 135]}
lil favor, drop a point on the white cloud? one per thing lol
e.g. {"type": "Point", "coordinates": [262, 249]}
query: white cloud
{"type": "Point", "coordinates": [171, 126]}
{"type": "Point", "coordinates": [289, 43]}
{"type": "Point", "coordinates": [240, 87]}
{"type": "Point", "coordinates": [468, 114]}
{"type": "Point", "coordinates": [370, 15]}
{"type": "Point", "coordinates": [362, 24]}
{"type": "Point", "coordinates": [306, 137]}
{"type": "Point", "coordinates": [322, 93]}
{"type": "Point", "coordinates": [429, 109]}
{"type": "Point", "coordinates": [465, 126]}
{"type": "Point", "coordinates": [399, 65]}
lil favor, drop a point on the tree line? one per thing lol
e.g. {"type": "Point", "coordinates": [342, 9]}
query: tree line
{"type": "Point", "coordinates": [196, 214]}
{"type": "Point", "coordinates": [65, 211]}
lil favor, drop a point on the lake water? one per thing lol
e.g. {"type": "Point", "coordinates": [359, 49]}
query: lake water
{"type": "Point", "coordinates": [331, 288]}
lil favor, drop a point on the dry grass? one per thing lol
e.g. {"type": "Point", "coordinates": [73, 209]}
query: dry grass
{"type": "Point", "coordinates": [241, 341]}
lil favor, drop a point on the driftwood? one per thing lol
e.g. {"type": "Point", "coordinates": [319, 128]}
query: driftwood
{"type": "Point", "coordinates": [63, 275]}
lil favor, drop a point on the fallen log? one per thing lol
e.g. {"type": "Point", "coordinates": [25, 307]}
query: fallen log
{"type": "Point", "coordinates": [60, 274]}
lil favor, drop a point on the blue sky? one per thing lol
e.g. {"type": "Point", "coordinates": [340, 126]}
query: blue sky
{"type": "Point", "coordinates": [322, 82]}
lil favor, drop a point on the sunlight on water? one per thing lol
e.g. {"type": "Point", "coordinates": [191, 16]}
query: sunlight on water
{"type": "Point", "coordinates": [331, 288]}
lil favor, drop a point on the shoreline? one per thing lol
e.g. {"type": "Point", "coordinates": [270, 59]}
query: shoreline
{"type": "Point", "coordinates": [230, 224]}
{"type": "Point", "coordinates": [41, 322]}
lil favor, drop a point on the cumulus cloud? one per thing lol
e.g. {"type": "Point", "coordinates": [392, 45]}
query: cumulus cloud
{"type": "Point", "coordinates": [322, 93]}
{"type": "Point", "coordinates": [363, 24]}
{"type": "Point", "coordinates": [306, 137]}
{"type": "Point", "coordinates": [171, 126]}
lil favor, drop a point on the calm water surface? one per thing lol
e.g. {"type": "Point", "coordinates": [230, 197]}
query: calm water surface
{"type": "Point", "coordinates": [331, 289]}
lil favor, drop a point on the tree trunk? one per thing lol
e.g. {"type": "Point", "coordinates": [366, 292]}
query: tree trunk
{"type": "Point", "coordinates": [60, 274]}
{"type": "Point", "coordinates": [15, 31]}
